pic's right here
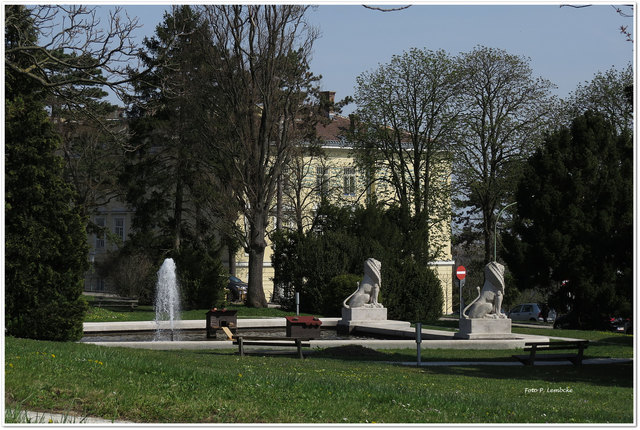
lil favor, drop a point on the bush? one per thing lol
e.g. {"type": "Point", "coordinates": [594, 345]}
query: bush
{"type": "Point", "coordinates": [132, 274]}
{"type": "Point", "coordinates": [336, 291]}
{"type": "Point", "coordinates": [414, 291]}
{"type": "Point", "coordinates": [202, 278]}
{"type": "Point", "coordinates": [309, 264]}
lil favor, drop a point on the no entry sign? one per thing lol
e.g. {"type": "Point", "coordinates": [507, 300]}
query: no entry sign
{"type": "Point", "coordinates": [461, 272]}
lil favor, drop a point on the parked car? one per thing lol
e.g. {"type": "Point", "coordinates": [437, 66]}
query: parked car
{"type": "Point", "coordinates": [237, 289]}
{"type": "Point", "coordinates": [567, 321]}
{"type": "Point", "coordinates": [530, 312]}
{"type": "Point", "coordinates": [620, 325]}
{"type": "Point", "coordinates": [617, 324]}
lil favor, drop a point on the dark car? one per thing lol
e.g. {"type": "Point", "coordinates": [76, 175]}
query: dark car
{"type": "Point", "coordinates": [620, 325]}
{"type": "Point", "coordinates": [237, 289]}
{"type": "Point", "coordinates": [567, 321]}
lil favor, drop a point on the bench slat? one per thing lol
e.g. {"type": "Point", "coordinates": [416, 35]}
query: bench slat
{"type": "Point", "coordinates": [271, 343]}
{"type": "Point", "coordinates": [555, 348]}
{"type": "Point", "coordinates": [534, 347]}
{"type": "Point", "coordinates": [241, 341]}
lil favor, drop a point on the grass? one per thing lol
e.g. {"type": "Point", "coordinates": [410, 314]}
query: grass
{"type": "Point", "coordinates": [327, 387]}
{"type": "Point", "coordinates": [330, 386]}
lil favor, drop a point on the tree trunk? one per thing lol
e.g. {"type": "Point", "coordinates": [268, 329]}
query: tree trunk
{"type": "Point", "coordinates": [487, 232]}
{"type": "Point", "coordinates": [257, 245]}
{"type": "Point", "coordinates": [177, 214]}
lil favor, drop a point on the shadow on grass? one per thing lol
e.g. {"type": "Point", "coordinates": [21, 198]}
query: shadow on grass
{"type": "Point", "coordinates": [616, 340]}
{"type": "Point", "coordinates": [611, 375]}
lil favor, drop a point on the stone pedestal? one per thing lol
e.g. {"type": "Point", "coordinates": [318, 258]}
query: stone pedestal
{"type": "Point", "coordinates": [353, 317]}
{"type": "Point", "coordinates": [485, 328]}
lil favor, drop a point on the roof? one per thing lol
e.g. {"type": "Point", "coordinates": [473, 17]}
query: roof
{"type": "Point", "coordinates": [332, 133]}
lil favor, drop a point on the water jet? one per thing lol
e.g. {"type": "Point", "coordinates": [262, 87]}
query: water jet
{"type": "Point", "coordinates": [167, 302]}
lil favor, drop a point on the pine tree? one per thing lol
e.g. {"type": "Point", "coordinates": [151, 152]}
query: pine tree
{"type": "Point", "coordinates": [45, 239]}
{"type": "Point", "coordinates": [575, 220]}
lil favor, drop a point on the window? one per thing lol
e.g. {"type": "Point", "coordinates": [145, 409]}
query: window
{"type": "Point", "coordinates": [118, 228]}
{"type": "Point", "coordinates": [349, 181]}
{"type": "Point", "coordinates": [322, 180]}
{"type": "Point", "coordinates": [100, 242]}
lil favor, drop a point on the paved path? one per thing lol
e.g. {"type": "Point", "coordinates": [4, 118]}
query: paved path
{"type": "Point", "coordinates": [32, 417]}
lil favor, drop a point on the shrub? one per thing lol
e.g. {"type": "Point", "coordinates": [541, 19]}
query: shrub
{"type": "Point", "coordinates": [413, 291]}
{"type": "Point", "coordinates": [132, 275]}
{"type": "Point", "coordinates": [202, 278]}
{"type": "Point", "coordinates": [336, 291]}
{"type": "Point", "coordinates": [309, 263]}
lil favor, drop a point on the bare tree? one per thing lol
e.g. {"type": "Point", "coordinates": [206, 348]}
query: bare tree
{"type": "Point", "coordinates": [263, 75]}
{"type": "Point", "coordinates": [506, 112]}
{"type": "Point", "coordinates": [72, 46]}
{"type": "Point", "coordinates": [406, 112]}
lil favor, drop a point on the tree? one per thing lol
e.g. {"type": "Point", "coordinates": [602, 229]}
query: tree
{"type": "Point", "coordinates": [406, 113]}
{"type": "Point", "coordinates": [262, 72]}
{"type": "Point", "coordinates": [71, 38]}
{"type": "Point", "coordinates": [505, 111]}
{"type": "Point", "coordinates": [45, 239]}
{"type": "Point", "coordinates": [72, 54]}
{"type": "Point", "coordinates": [573, 232]}
{"type": "Point", "coordinates": [167, 175]}
{"type": "Point", "coordinates": [609, 93]}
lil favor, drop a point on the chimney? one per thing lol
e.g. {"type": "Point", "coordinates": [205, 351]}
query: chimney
{"type": "Point", "coordinates": [327, 100]}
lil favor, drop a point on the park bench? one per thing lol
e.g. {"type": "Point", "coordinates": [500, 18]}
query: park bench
{"type": "Point", "coordinates": [115, 302]}
{"type": "Point", "coordinates": [243, 341]}
{"type": "Point", "coordinates": [534, 347]}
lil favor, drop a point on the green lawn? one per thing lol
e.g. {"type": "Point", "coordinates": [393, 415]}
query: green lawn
{"type": "Point", "coordinates": [343, 385]}
{"type": "Point", "coordinates": [329, 386]}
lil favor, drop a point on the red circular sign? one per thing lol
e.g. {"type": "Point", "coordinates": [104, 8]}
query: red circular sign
{"type": "Point", "coordinates": [461, 272]}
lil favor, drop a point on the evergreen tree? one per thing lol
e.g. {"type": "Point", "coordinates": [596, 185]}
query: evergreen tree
{"type": "Point", "coordinates": [573, 233]}
{"type": "Point", "coordinates": [166, 176]}
{"type": "Point", "coordinates": [45, 238]}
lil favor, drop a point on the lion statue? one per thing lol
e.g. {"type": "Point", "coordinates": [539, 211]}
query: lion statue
{"type": "Point", "coordinates": [366, 296]}
{"type": "Point", "coordinates": [489, 301]}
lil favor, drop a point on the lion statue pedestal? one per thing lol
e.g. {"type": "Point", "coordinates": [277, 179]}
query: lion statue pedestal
{"type": "Point", "coordinates": [362, 307]}
{"type": "Point", "coordinates": [483, 318]}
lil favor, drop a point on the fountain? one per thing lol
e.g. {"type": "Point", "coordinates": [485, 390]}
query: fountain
{"type": "Point", "coordinates": [167, 302]}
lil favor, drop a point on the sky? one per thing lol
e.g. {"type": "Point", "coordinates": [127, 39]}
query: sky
{"type": "Point", "coordinates": [566, 45]}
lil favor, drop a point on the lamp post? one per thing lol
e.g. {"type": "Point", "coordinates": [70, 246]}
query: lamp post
{"type": "Point", "coordinates": [495, 232]}
{"type": "Point", "coordinates": [92, 261]}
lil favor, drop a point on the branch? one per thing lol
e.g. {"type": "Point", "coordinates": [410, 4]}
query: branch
{"type": "Point", "coordinates": [387, 10]}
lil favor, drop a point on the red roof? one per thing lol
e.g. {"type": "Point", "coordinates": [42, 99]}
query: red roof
{"type": "Point", "coordinates": [334, 129]}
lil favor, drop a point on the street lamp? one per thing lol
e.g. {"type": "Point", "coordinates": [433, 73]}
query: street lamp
{"type": "Point", "coordinates": [495, 232]}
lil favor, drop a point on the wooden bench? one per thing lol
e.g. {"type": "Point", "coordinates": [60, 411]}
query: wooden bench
{"type": "Point", "coordinates": [242, 341]}
{"type": "Point", "coordinates": [120, 303]}
{"type": "Point", "coordinates": [534, 347]}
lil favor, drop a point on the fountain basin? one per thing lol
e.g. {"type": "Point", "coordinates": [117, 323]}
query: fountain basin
{"type": "Point", "coordinates": [430, 338]}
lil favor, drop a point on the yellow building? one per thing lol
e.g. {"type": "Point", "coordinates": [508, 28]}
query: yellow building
{"type": "Point", "coordinates": [332, 173]}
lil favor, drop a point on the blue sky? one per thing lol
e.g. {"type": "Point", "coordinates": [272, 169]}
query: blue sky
{"type": "Point", "coordinates": [566, 45]}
